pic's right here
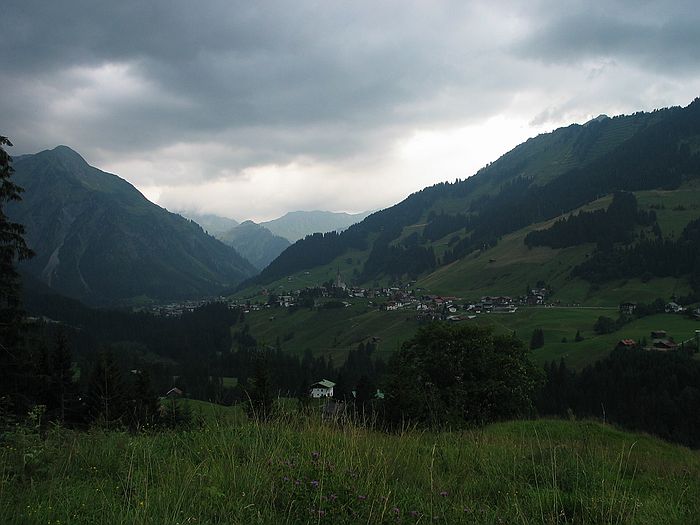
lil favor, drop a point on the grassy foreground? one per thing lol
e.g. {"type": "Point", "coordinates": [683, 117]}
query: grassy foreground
{"type": "Point", "coordinates": [303, 471]}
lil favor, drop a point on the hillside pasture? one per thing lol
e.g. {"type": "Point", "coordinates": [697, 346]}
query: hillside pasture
{"type": "Point", "coordinates": [304, 471]}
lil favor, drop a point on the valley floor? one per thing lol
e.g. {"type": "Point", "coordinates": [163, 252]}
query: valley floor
{"type": "Point", "coordinates": [303, 471]}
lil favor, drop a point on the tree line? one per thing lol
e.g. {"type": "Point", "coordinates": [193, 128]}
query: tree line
{"type": "Point", "coordinates": [655, 392]}
{"type": "Point", "coordinates": [648, 258]}
{"type": "Point", "coordinates": [604, 227]}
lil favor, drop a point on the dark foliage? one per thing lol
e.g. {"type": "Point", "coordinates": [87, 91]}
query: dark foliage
{"type": "Point", "coordinates": [537, 339]}
{"type": "Point", "coordinates": [605, 227]}
{"type": "Point", "coordinates": [15, 361]}
{"type": "Point", "coordinates": [441, 224]}
{"type": "Point", "coordinates": [652, 257]}
{"type": "Point", "coordinates": [450, 375]}
{"type": "Point", "coordinates": [655, 392]}
{"type": "Point", "coordinates": [107, 397]}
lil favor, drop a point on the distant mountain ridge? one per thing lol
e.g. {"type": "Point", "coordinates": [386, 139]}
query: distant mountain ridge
{"type": "Point", "coordinates": [296, 225]}
{"type": "Point", "coordinates": [539, 180]}
{"type": "Point", "coordinates": [255, 242]}
{"type": "Point", "coordinates": [98, 239]}
{"type": "Point", "coordinates": [214, 225]}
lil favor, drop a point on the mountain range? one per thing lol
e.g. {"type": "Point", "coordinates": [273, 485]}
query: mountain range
{"type": "Point", "coordinates": [255, 242]}
{"type": "Point", "coordinates": [469, 236]}
{"type": "Point", "coordinates": [98, 239]}
{"type": "Point", "coordinates": [214, 225]}
{"type": "Point", "coordinates": [261, 243]}
{"type": "Point", "coordinates": [566, 208]}
{"type": "Point", "coordinates": [296, 225]}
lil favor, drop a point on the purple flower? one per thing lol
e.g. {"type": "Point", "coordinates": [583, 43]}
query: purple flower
{"type": "Point", "coordinates": [443, 494]}
{"type": "Point", "coordinates": [414, 513]}
{"type": "Point", "coordinates": [297, 482]}
{"type": "Point", "coordinates": [396, 510]}
{"type": "Point", "coordinates": [362, 498]}
{"type": "Point", "coordinates": [285, 478]}
{"type": "Point", "coordinates": [314, 483]}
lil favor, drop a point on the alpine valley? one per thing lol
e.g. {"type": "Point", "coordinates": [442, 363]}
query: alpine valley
{"type": "Point", "coordinates": [544, 212]}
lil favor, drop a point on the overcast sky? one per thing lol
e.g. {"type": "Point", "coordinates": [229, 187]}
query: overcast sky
{"type": "Point", "coordinates": [251, 109]}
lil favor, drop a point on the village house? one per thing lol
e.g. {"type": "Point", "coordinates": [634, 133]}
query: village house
{"type": "Point", "coordinates": [661, 341]}
{"type": "Point", "coordinates": [322, 388]}
{"type": "Point", "coordinates": [627, 308]}
{"type": "Point", "coordinates": [673, 308]}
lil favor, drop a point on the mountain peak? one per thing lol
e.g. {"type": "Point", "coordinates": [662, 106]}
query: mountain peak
{"type": "Point", "coordinates": [599, 118]}
{"type": "Point", "coordinates": [63, 155]}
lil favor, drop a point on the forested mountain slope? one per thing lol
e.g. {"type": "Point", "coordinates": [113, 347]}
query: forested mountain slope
{"type": "Point", "coordinates": [255, 242]}
{"type": "Point", "coordinates": [100, 240]}
{"type": "Point", "coordinates": [542, 179]}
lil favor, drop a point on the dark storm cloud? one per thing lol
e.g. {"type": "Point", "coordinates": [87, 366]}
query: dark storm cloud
{"type": "Point", "coordinates": [216, 87]}
{"type": "Point", "coordinates": [246, 70]}
{"type": "Point", "coordinates": [660, 36]}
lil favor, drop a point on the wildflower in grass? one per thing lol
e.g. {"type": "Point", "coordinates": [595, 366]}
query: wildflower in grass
{"type": "Point", "coordinates": [414, 513]}
{"type": "Point", "coordinates": [397, 510]}
{"type": "Point", "coordinates": [285, 478]}
{"type": "Point", "coordinates": [444, 494]}
{"type": "Point", "coordinates": [362, 498]}
{"type": "Point", "coordinates": [314, 483]}
{"type": "Point", "coordinates": [297, 482]}
{"type": "Point", "coordinates": [332, 497]}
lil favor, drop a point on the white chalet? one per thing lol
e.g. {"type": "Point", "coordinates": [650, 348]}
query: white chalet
{"type": "Point", "coordinates": [322, 389]}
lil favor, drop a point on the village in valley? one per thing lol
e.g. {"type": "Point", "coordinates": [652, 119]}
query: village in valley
{"type": "Point", "coordinates": [421, 306]}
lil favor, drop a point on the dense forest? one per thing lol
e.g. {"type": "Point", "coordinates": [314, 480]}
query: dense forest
{"type": "Point", "coordinates": [655, 392]}
{"type": "Point", "coordinates": [648, 258]}
{"type": "Point", "coordinates": [605, 227]}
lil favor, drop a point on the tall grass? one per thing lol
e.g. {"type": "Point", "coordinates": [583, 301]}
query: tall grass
{"type": "Point", "coordinates": [302, 470]}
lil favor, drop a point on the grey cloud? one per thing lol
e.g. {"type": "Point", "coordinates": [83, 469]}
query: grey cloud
{"type": "Point", "coordinates": [660, 36]}
{"type": "Point", "coordinates": [276, 81]}
{"type": "Point", "coordinates": [282, 66]}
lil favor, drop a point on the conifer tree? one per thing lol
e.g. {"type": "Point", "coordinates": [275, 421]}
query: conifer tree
{"type": "Point", "coordinates": [145, 406]}
{"type": "Point", "coordinates": [61, 374]}
{"type": "Point", "coordinates": [106, 396]}
{"type": "Point", "coordinates": [537, 339]}
{"type": "Point", "coordinates": [15, 365]}
{"type": "Point", "coordinates": [260, 396]}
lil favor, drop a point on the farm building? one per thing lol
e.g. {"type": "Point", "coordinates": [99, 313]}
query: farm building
{"type": "Point", "coordinates": [322, 389]}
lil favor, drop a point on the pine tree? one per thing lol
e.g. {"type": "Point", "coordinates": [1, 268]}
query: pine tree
{"type": "Point", "coordinates": [260, 397]}
{"type": "Point", "coordinates": [364, 393]}
{"type": "Point", "coordinates": [106, 397]}
{"type": "Point", "coordinates": [145, 405]}
{"type": "Point", "coordinates": [61, 374]}
{"type": "Point", "coordinates": [537, 339]}
{"type": "Point", "coordinates": [15, 365]}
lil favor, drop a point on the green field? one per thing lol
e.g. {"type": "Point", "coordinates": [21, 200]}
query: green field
{"type": "Point", "coordinates": [335, 332]}
{"type": "Point", "coordinates": [559, 323]}
{"type": "Point", "coordinates": [508, 267]}
{"type": "Point", "coordinates": [303, 471]}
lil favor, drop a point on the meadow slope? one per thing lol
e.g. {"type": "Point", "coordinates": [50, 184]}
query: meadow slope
{"type": "Point", "coordinates": [303, 471]}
